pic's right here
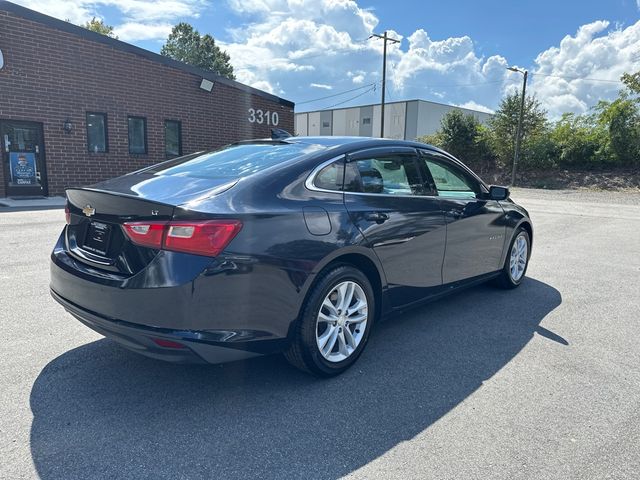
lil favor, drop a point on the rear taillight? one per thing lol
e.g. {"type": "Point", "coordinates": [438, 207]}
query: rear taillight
{"type": "Point", "coordinates": [209, 237]}
{"type": "Point", "coordinates": [202, 238]}
{"type": "Point", "coordinates": [146, 234]}
{"type": "Point", "coordinates": [67, 214]}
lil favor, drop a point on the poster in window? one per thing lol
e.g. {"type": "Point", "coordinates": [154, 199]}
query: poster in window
{"type": "Point", "coordinates": [23, 168]}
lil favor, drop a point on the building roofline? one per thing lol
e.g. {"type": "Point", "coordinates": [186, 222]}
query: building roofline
{"type": "Point", "coordinates": [391, 103]}
{"type": "Point", "coordinates": [82, 32]}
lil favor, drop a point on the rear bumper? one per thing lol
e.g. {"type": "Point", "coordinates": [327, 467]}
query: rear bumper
{"type": "Point", "coordinates": [240, 305]}
{"type": "Point", "coordinates": [198, 347]}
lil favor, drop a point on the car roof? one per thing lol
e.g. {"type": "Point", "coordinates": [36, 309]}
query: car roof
{"type": "Point", "coordinates": [342, 143]}
{"type": "Point", "coordinates": [331, 141]}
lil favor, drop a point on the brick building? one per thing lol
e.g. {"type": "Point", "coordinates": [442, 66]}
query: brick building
{"type": "Point", "coordinates": [77, 107]}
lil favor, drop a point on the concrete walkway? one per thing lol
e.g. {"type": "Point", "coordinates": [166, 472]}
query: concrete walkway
{"type": "Point", "coordinates": [44, 203]}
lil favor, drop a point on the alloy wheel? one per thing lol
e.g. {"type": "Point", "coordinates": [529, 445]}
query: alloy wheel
{"type": "Point", "coordinates": [342, 321]}
{"type": "Point", "coordinates": [518, 260]}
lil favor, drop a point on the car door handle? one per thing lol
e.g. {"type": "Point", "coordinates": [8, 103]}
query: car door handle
{"type": "Point", "coordinates": [378, 217]}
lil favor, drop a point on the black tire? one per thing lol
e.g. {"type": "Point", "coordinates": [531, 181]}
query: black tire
{"type": "Point", "coordinates": [505, 280]}
{"type": "Point", "coordinates": [303, 352]}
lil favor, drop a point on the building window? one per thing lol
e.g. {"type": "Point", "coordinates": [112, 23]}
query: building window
{"type": "Point", "coordinates": [172, 138]}
{"type": "Point", "coordinates": [366, 121]}
{"type": "Point", "coordinates": [137, 135]}
{"type": "Point", "coordinates": [96, 132]}
{"type": "Point", "coordinates": [326, 124]}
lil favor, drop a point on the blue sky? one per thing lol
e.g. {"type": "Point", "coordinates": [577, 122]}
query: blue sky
{"type": "Point", "coordinates": [452, 52]}
{"type": "Point", "coordinates": [515, 29]}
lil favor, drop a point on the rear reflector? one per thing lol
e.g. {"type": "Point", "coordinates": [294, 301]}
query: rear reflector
{"type": "Point", "coordinates": [67, 214]}
{"type": "Point", "coordinates": [209, 237]}
{"type": "Point", "coordinates": [162, 342]}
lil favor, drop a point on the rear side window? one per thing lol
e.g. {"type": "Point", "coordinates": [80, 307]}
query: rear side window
{"type": "Point", "coordinates": [235, 161]}
{"type": "Point", "coordinates": [390, 175]}
{"type": "Point", "coordinates": [334, 177]}
{"type": "Point", "coordinates": [331, 176]}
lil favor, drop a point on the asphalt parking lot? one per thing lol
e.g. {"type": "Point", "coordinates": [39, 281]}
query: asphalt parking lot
{"type": "Point", "coordinates": [540, 382]}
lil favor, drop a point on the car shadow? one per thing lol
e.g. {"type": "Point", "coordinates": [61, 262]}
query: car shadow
{"type": "Point", "coordinates": [102, 411]}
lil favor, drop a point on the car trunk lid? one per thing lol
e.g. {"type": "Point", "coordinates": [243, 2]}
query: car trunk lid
{"type": "Point", "coordinates": [95, 235]}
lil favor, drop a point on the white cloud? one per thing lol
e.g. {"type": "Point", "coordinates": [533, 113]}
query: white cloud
{"type": "Point", "coordinates": [594, 52]}
{"type": "Point", "coordinates": [143, 10]}
{"type": "Point", "coordinates": [298, 42]}
{"type": "Point", "coordinates": [425, 55]}
{"type": "Point", "coordinates": [342, 15]}
{"type": "Point", "coordinates": [76, 11]}
{"type": "Point", "coordinates": [141, 19]}
{"type": "Point", "coordinates": [321, 86]}
{"type": "Point", "coordinates": [285, 46]}
{"type": "Point", "coordinates": [471, 105]}
{"type": "Point", "coordinates": [134, 31]}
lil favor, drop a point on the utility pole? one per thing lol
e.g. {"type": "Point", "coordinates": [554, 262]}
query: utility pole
{"type": "Point", "coordinates": [386, 39]}
{"type": "Point", "coordinates": [516, 154]}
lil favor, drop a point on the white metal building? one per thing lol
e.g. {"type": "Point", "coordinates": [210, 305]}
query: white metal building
{"type": "Point", "coordinates": [403, 120]}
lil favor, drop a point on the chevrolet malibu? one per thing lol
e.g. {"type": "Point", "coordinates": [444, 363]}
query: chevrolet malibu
{"type": "Point", "coordinates": [297, 245]}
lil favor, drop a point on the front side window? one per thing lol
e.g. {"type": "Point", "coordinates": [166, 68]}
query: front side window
{"type": "Point", "coordinates": [96, 132]}
{"type": "Point", "coordinates": [450, 181]}
{"type": "Point", "coordinates": [390, 175]}
{"type": "Point", "coordinates": [172, 138]}
{"type": "Point", "coordinates": [137, 135]}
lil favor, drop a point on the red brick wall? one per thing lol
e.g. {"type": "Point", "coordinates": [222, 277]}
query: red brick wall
{"type": "Point", "coordinates": [50, 75]}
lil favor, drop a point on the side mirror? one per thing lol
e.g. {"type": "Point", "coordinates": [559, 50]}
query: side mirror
{"type": "Point", "coordinates": [498, 193]}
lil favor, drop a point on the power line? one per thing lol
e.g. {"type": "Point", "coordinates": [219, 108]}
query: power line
{"type": "Point", "coordinates": [337, 94]}
{"type": "Point", "coordinates": [379, 81]}
{"type": "Point", "coordinates": [349, 99]}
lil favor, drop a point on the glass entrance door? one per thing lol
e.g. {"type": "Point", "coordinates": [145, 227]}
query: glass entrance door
{"type": "Point", "coordinates": [23, 159]}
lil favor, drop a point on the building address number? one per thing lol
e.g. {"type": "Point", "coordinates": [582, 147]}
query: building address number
{"type": "Point", "coordinates": [259, 116]}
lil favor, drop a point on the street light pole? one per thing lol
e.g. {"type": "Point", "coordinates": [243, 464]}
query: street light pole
{"type": "Point", "coordinates": [385, 38]}
{"type": "Point", "coordinates": [516, 154]}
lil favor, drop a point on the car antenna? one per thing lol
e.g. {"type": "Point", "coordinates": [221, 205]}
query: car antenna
{"type": "Point", "coordinates": [279, 134]}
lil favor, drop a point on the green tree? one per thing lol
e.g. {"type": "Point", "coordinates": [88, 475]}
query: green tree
{"type": "Point", "coordinates": [99, 26]}
{"type": "Point", "coordinates": [580, 140]}
{"type": "Point", "coordinates": [464, 137]}
{"type": "Point", "coordinates": [632, 82]}
{"type": "Point", "coordinates": [504, 126]}
{"type": "Point", "coordinates": [621, 119]}
{"type": "Point", "coordinates": [185, 44]}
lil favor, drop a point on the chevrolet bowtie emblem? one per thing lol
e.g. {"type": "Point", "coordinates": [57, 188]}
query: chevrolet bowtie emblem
{"type": "Point", "coordinates": [89, 210]}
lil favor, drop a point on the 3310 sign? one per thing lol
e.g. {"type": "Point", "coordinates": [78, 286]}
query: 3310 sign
{"type": "Point", "coordinates": [260, 116]}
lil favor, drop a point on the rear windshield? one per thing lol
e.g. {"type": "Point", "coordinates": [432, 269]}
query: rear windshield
{"type": "Point", "coordinates": [234, 161]}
